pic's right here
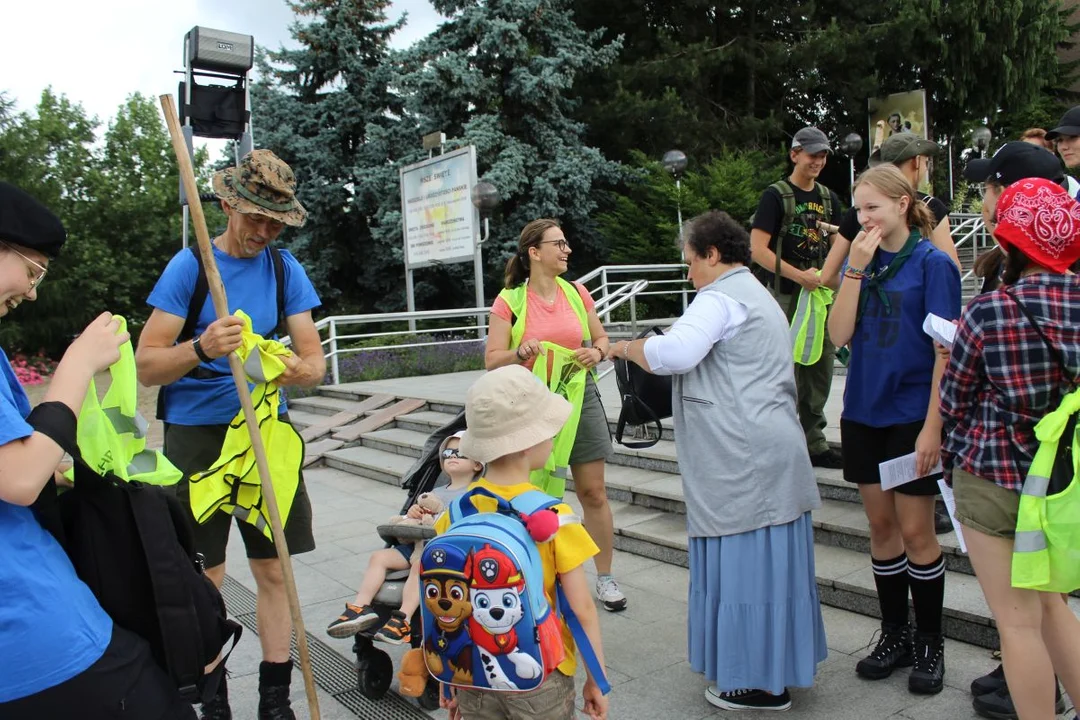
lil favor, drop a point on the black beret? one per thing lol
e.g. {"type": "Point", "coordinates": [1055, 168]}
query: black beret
{"type": "Point", "coordinates": [26, 222]}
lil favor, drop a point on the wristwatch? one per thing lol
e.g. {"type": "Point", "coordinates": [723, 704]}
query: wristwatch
{"type": "Point", "coordinates": [197, 347]}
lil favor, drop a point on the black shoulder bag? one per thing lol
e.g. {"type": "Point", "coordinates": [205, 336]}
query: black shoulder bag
{"type": "Point", "coordinates": [646, 398]}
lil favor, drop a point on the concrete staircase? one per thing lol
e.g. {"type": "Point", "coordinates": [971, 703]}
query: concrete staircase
{"type": "Point", "coordinates": [649, 511]}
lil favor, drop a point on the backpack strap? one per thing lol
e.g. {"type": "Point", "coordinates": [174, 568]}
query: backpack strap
{"type": "Point", "coordinates": [581, 639]}
{"type": "Point", "coordinates": [533, 501]}
{"type": "Point", "coordinates": [279, 279]}
{"type": "Point", "coordinates": [787, 202]}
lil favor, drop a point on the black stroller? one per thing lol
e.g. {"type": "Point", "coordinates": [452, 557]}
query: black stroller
{"type": "Point", "coordinates": [374, 668]}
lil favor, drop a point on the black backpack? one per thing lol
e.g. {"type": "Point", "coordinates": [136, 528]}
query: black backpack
{"type": "Point", "coordinates": [646, 398]}
{"type": "Point", "coordinates": [133, 546]}
{"type": "Point", "coordinates": [199, 294]}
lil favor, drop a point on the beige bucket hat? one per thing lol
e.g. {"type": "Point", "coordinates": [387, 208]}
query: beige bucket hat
{"type": "Point", "coordinates": [509, 410]}
{"type": "Point", "coordinates": [263, 184]}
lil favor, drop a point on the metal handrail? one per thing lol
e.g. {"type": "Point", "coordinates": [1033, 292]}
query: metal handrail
{"type": "Point", "coordinates": [472, 321]}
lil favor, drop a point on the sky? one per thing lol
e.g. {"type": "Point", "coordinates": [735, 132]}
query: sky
{"type": "Point", "coordinates": [97, 53]}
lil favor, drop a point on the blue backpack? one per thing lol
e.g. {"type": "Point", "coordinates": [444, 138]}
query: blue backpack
{"type": "Point", "coordinates": [486, 621]}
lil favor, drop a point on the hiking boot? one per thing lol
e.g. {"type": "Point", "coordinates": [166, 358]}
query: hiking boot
{"type": "Point", "coordinates": [218, 706]}
{"type": "Point", "coordinates": [274, 703]}
{"type": "Point", "coordinates": [609, 594]}
{"type": "Point", "coordinates": [928, 674]}
{"type": "Point", "coordinates": [998, 705]}
{"type": "Point", "coordinates": [942, 521]}
{"type": "Point", "coordinates": [893, 651]}
{"type": "Point", "coordinates": [831, 458]}
{"type": "Point", "coordinates": [989, 683]}
{"type": "Point", "coordinates": [396, 631]}
{"type": "Point", "coordinates": [747, 699]}
{"type": "Point", "coordinates": [353, 620]}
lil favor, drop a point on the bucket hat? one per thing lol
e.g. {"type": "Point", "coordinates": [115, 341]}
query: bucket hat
{"type": "Point", "coordinates": [263, 184]}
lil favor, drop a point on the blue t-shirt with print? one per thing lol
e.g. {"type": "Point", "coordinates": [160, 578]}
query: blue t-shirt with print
{"type": "Point", "coordinates": [250, 286]}
{"type": "Point", "coordinates": [51, 626]}
{"type": "Point", "coordinates": [892, 359]}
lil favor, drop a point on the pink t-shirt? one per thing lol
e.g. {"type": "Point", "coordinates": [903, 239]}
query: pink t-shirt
{"type": "Point", "coordinates": [556, 323]}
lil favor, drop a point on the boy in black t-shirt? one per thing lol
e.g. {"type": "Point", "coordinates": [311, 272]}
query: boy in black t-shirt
{"type": "Point", "coordinates": [787, 237]}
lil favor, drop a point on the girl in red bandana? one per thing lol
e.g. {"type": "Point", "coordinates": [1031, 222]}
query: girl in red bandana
{"type": "Point", "coordinates": [1016, 354]}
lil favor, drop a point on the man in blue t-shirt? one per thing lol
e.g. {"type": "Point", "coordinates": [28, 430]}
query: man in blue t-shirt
{"type": "Point", "coordinates": [199, 398]}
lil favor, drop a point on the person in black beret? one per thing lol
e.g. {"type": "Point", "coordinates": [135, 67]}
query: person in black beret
{"type": "Point", "coordinates": [60, 654]}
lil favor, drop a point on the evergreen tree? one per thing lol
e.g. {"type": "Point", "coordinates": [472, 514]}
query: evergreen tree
{"type": "Point", "coordinates": [329, 109]}
{"type": "Point", "coordinates": [499, 75]}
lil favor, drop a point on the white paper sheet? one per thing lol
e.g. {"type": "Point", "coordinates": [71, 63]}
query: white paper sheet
{"type": "Point", "coordinates": [901, 470]}
{"type": "Point", "coordinates": [941, 330]}
{"type": "Point", "coordinates": [950, 505]}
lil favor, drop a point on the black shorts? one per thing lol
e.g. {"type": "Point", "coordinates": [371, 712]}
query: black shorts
{"type": "Point", "coordinates": [194, 448]}
{"type": "Point", "coordinates": [124, 684]}
{"type": "Point", "coordinates": [866, 447]}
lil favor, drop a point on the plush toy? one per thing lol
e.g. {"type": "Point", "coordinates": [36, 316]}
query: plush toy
{"type": "Point", "coordinates": [430, 508]}
{"type": "Point", "coordinates": [413, 676]}
{"type": "Point", "coordinates": [542, 524]}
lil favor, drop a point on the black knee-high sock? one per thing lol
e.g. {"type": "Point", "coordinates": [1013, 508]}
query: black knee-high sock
{"type": "Point", "coordinates": [891, 579]}
{"type": "Point", "coordinates": [928, 594]}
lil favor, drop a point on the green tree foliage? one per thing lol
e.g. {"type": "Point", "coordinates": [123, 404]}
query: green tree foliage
{"type": "Point", "coordinates": [117, 197]}
{"type": "Point", "coordinates": [702, 76]}
{"type": "Point", "coordinates": [330, 109]}
{"type": "Point", "coordinates": [499, 75]}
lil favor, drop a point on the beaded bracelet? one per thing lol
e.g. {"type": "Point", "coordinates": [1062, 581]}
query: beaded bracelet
{"type": "Point", "coordinates": [856, 273]}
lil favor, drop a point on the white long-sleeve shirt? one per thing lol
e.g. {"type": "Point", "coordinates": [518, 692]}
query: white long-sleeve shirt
{"type": "Point", "coordinates": [710, 318]}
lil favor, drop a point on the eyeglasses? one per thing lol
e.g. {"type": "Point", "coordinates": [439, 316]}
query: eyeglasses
{"type": "Point", "coordinates": [34, 281]}
{"type": "Point", "coordinates": [451, 453]}
{"type": "Point", "coordinates": [561, 243]}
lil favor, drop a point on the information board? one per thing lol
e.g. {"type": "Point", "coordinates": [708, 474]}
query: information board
{"type": "Point", "coordinates": [439, 221]}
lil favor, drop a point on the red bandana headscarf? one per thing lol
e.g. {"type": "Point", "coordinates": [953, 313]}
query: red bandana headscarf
{"type": "Point", "coordinates": [1040, 218]}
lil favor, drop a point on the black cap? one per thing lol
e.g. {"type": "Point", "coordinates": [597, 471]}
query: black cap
{"type": "Point", "coordinates": [811, 140]}
{"type": "Point", "coordinates": [1068, 125]}
{"type": "Point", "coordinates": [26, 222]}
{"type": "Point", "coordinates": [1014, 161]}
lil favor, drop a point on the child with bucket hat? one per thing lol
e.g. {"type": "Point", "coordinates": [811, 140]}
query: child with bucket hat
{"type": "Point", "coordinates": [1016, 355]}
{"type": "Point", "coordinates": [512, 418]}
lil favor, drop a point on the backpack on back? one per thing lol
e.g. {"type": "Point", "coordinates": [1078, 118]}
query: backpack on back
{"type": "Point", "coordinates": [787, 201]}
{"type": "Point", "coordinates": [133, 546]}
{"type": "Point", "coordinates": [486, 621]}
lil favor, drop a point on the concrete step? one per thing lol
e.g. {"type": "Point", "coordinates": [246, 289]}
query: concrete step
{"type": "Point", "coordinates": [409, 443]}
{"type": "Point", "coordinates": [426, 421]}
{"type": "Point", "coordinates": [844, 576]}
{"type": "Point", "coordinates": [302, 419]}
{"type": "Point", "coordinates": [324, 404]}
{"type": "Point", "coordinates": [387, 467]}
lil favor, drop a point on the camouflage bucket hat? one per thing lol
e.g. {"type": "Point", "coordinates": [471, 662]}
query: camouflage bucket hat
{"type": "Point", "coordinates": [263, 184]}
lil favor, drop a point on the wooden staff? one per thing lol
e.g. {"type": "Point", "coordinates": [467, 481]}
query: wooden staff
{"type": "Point", "coordinates": [221, 309]}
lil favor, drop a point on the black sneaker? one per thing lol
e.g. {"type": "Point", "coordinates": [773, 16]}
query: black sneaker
{"type": "Point", "coordinates": [353, 620]}
{"type": "Point", "coordinates": [747, 699]}
{"type": "Point", "coordinates": [928, 674]}
{"type": "Point", "coordinates": [893, 651]}
{"type": "Point", "coordinates": [218, 706]}
{"type": "Point", "coordinates": [998, 705]}
{"type": "Point", "coordinates": [942, 521]}
{"type": "Point", "coordinates": [989, 683]}
{"type": "Point", "coordinates": [831, 459]}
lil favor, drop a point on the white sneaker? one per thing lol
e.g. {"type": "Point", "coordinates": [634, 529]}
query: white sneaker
{"type": "Point", "coordinates": [609, 594]}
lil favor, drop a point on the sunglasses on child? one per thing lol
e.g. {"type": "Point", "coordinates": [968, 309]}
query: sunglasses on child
{"type": "Point", "coordinates": [451, 453]}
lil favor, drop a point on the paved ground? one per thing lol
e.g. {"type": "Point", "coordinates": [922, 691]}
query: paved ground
{"type": "Point", "coordinates": [645, 645]}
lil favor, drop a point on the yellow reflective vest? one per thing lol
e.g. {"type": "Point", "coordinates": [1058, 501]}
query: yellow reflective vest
{"type": "Point", "coordinates": [808, 324]}
{"type": "Point", "coordinates": [566, 378]}
{"type": "Point", "coordinates": [231, 484]}
{"type": "Point", "coordinates": [112, 433]}
{"type": "Point", "coordinates": [1046, 549]}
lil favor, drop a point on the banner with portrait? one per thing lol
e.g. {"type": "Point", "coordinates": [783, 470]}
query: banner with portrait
{"type": "Point", "coordinates": [898, 113]}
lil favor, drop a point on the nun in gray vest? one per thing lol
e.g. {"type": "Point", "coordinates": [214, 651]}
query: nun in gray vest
{"type": "Point", "coordinates": [755, 626]}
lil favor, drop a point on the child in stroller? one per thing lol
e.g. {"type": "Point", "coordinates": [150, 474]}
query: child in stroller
{"type": "Point", "coordinates": [389, 604]}
{"type": "Point", "coordinates": [361, 614]}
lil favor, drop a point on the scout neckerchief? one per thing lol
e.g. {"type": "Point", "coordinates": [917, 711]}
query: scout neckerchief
{"type": "Point", "coordinates": [877, 277]}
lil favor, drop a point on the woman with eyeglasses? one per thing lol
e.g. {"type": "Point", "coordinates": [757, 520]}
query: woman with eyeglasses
{"type": "Point", "coordinates": [60, 654]}
{"type": "Point", "coordinates": [537, 308]}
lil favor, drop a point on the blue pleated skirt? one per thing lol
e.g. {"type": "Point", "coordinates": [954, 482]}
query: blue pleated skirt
{"type": "Point", "coordinates": [754, 617]}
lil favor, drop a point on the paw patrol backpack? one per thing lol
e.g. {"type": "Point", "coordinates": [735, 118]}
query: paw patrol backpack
{"type": "Point", "coordinates": [486, 621]}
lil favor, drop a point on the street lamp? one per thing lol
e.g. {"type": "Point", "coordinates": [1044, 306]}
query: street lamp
{"type": "Point", "coordinates": [850, 146]}
{"type": "Point", "coordinates": [980, 139]}
{"type": "Point", "coordinates": [485, 198]}
{"type": "Point", "coordinates": [674, 161]}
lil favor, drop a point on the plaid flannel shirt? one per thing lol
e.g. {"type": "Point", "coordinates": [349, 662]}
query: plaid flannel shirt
{"type": "Point", "coordinates": [1001, 378]}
